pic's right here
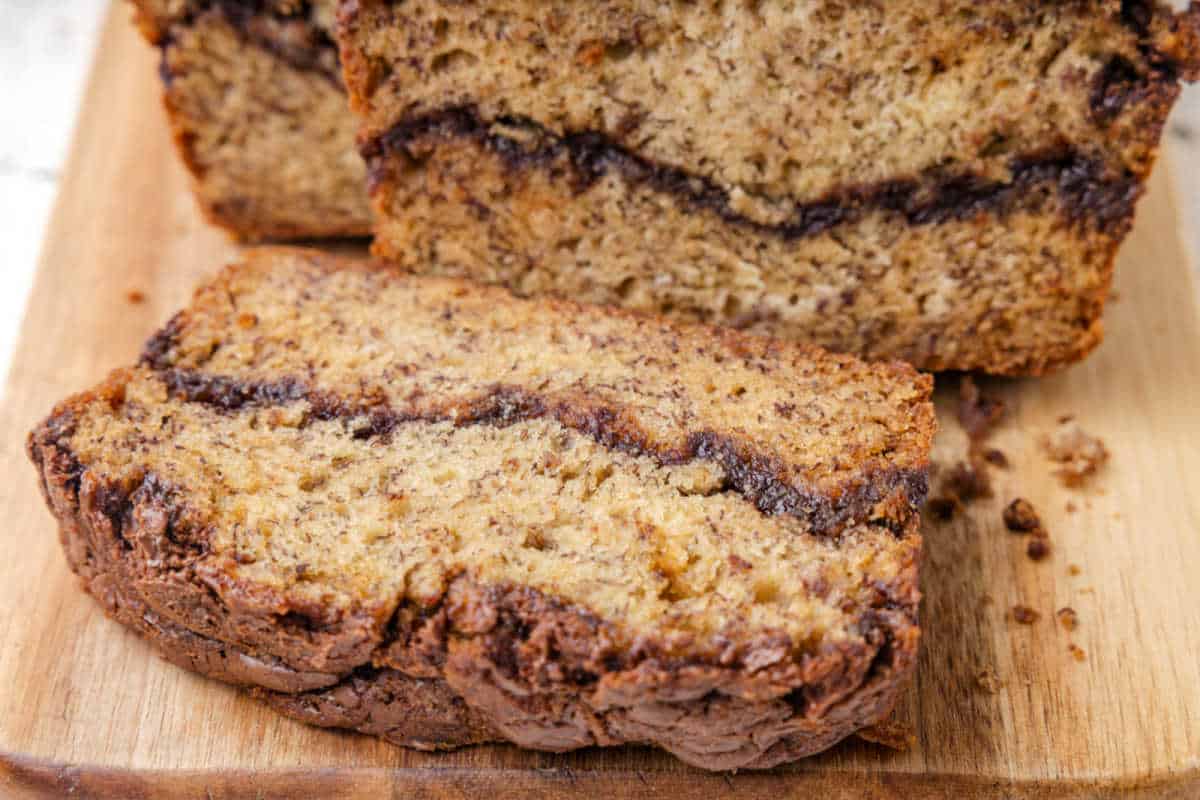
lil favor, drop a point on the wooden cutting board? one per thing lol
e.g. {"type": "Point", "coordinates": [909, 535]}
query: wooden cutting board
{"type": "Point", "coordinates": [87, 707]}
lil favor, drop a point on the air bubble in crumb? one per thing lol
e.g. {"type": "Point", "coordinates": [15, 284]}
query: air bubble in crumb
{"type": "Point", "coordinates": [535, 540]}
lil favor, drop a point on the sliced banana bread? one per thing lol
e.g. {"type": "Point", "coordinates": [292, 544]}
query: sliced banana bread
{"type": "Point", "coordinates": [945, 182]}
{"type": "Point", "coordinates": [438, 513]}
{"type": "Point", "coordinates": [254, 95]}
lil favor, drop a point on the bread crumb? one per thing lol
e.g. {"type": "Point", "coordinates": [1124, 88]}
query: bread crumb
{"type": "Point", "coordinates": [987, 680]}
{"type": "Point", "coordinates": [1077, 652]}
{"type": "Point", "coordinates": [1067, 618]}
{"type": "Point", "coordinates": [1038, 548]}
{"type": "Point", "coordinates": [1073, 569]}
{"type": "Point", "coordinates": [898, 734]}
{"type": "Point", "coordinates": [1025, 615]}
{"type": "Point", "coordinates": [977, 413]}
{"type": "Point", "coordinates": [963, 483]}
{"type": "Point", "coordinates": [1020, 517]}
{"type": "Point", "coordinates": [967, 482]}
{"type": "Point", "coordinates": [943, 508]}
{"type": "Point", "coordinates": [1079, 453]}
{"type": "Point", "coordinates": [135, 297]}
{"type": "Point", "coordinates": [1071, 507]}
{"type": "Point", "coordinates": [960, 485]}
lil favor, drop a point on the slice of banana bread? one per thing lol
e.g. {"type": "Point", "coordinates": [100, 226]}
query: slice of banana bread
{"type": "Point", "coordinates": [945, 182]}
{"type": "Point", "coordinates": [438, 513]}
{"type": "Point", "coordinates": [255, 100]}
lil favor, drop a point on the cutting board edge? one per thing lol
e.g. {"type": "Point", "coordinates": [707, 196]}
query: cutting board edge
{"type": "Point", "coordinates": [30, 777]}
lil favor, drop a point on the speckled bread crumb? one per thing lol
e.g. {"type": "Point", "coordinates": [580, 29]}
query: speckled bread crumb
{"type": "Point", "coordinates": [945, 182]}
{"type": "Point", "coordinates": [586, 527]}
{"type": "Point", "coordinates": [1078, 454]}
{"type": "Point", "coordinates": [254, 97]}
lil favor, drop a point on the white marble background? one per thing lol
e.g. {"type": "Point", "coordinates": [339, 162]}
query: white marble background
{"type": "Point", "coordinates": [45, 49]}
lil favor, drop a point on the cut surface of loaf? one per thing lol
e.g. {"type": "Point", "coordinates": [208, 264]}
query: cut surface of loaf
{"type": "Point", "coordinates": [255, 101]}
{"type": "Point", "coordinates": [358, 491]}
{"type": "Point", "coordinates": [945, 182]}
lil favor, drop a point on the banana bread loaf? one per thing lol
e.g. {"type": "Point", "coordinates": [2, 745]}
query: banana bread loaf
{"type": "Point", "coordinates": [439, 514]}
{"type": "Point", "coordinates": [945, 182]}
{"type": "Point", "coordinates": [254, 96]}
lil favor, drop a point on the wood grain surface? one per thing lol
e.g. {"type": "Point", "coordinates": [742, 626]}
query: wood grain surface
{"type": "Point", "coordinates": [87, 708]}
